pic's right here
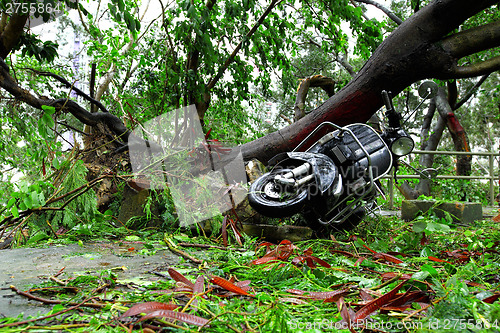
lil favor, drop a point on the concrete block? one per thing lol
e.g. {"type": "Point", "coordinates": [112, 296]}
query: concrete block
{"type": "Point", "coordinates": [461, 212]}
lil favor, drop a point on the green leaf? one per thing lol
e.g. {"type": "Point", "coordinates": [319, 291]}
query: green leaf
{"type": "Point", "coordinates": [427, 252]}
{"type": "Point", "coordinates": [431, 226]}
{"type": "Point", "coordinates": [28, 202]}
{"type": "Point", "coordinates": [431, 270]}
{"type": "Point", "coordinates": [11, 202]}
{"type": "Point", "coordinates": [419, 226]}
{"type": "Point", "coordinates": [55, 163]}
{"type": "Point", "coordinates": [48, 109]}
{"type": "Point", "coordinates": [14, 211]}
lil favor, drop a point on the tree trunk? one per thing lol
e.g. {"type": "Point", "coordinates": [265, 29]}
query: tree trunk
{"type": "Point", "coordinates": [458, 134]}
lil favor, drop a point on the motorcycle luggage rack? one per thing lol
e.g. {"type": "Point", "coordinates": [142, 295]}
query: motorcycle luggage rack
{"type": "Point", "coordinates": [353, 205]}
{"type": "Point", "coordinates": [350, 208]}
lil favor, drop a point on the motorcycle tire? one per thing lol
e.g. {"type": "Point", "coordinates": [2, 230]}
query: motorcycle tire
{"type": "Point", "coordinates": [269, 202]}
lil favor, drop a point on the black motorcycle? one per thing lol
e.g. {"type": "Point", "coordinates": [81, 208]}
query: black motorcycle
{"type": "Point", "coordinates": [334, 183]}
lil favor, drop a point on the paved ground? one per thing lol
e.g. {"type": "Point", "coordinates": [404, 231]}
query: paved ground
{"type": "Point", "coordinates": [24, 267]}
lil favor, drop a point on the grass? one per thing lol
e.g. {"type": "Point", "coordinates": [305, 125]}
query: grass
{"type": "Point", "coordinates": [452, 268]}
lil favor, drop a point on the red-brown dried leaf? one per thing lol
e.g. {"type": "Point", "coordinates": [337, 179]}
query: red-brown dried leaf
{"type": "Point", "coordinates": [285, 249]}
{"type": "Point", "coordinates": [374, 252]}
{"type": "Point", "coordinates": [266, 244]}
{"type": "Point", "coordinates": [199, 287]}
{"type": "Point", "coordinates": [359, 261]}
{"type": "Point", "coordinates": [147, 307]}
{"type": "Point", "coordinates": [392, 275]}
{"type": "Point", "coordinates": [491, 298]}
{"type": "Point", "coordinates": [237, 234]}
{"type": "Point", "coordinates": [321, 262]}
{"type": "Point", "coordinates": [185, 289]}
{"type": "Point", "coordinates": [408, 298]}
{"type": "Point", "coordinates": [229, 286]}
{"type": "Point", "coordinates": [377, 303]}
{"type": "Point", "coordinates": [335, 298]}
{"type": "Point", "coordinates": [243, 284]}
{"type": "Point", "coordinates": [395, 253]}
{"type": "Point", "coordinates": [365, 296]}
{"type": "Point", "coordinates": [437, 259]}
{"type": "Point", "coordinates": [293, 300]}
{"type": "Point", "coordinates": [388, 257]}
{"type": "Point", "coordinates": [475, 284]}
{"type": "Point", "coordinates": [345, 313]}
{"type": "Point", "coordinates": [296, 291]}
{"type": "Point", "coordinates": [308, 252]}
{"type": "Point", "coordinates": [180, 278]}
{"type": "Point", "coordinates": [318, 294]}
{"type": "Point", "coordinates": [184, 317]}
{"type": "Point", "coordinates": [424, 240]}
{"type": "Point", "coordinates": [264, 260]}
{"type": "Point", "coordinates": [310, 263]}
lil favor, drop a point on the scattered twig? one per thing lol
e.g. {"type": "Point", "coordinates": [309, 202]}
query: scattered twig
{"type": "Point", "coordinates": [208, 246]}
{"type": "Point", "coordinates": [52, 301]}
{"type": "Point", "coordinates": [172, 248]}
{"type": "Point", "coordinates": [24, 322]}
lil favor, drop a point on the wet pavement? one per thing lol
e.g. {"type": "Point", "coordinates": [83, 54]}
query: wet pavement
{"type": "Point", "coordinates": [25, 267]}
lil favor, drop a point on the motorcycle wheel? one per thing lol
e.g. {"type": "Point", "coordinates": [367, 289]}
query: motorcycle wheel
{"type": "Point", "coordinates": [274, 200]}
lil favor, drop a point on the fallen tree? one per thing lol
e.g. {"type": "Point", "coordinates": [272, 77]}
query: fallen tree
{"type": "Point", "coordinates": [423, 46]}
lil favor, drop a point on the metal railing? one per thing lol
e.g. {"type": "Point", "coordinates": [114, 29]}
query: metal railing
{"type": "Point", "coordinates": [491, 177]}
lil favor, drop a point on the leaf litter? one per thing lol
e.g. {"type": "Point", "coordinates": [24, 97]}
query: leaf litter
{"type": "Point", "coordinates": [290, 287]}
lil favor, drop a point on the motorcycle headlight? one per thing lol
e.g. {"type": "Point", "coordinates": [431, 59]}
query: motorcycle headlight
{"type": "Point", "coordinates": [402, 146]}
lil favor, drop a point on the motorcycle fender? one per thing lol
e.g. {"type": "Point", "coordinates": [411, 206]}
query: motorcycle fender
{"type": "Point", "coordinates": [325, 171]}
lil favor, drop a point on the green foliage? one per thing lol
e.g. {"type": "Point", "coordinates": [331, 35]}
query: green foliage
{"type": "Point", "coordinates": [456, 288]}
{"type": "Point", "coordinates": [30, 45]}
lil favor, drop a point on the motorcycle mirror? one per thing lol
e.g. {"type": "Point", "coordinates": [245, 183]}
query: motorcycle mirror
{"type": "Point", "coordinates": [428, 89]}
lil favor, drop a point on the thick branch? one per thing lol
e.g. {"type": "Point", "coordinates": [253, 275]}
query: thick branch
{"type": "Point", "coordinates": [458, 134]}
{"type": "Point", "coordinates": [11, 34]}
{"type": "Point", "coordinates": [325, 83]}
{"type": "Point", "coordinates": [72, 87]}
{"type": "Point", "coordinates": [473, 40]}
{"type": "Point", "coordinates": [114, 123]}
{"type": "Point", "coordinates": [347, 66]}
{"type": "Point", "coordinates": [110, 75]}
{"type": "Point", "coordinates": [482, 68]}
{"type": "Point", "coordinates": [426, 124]}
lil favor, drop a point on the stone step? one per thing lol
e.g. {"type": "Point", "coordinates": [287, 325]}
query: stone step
{"type": "Point", "coordinates": [460, 212]}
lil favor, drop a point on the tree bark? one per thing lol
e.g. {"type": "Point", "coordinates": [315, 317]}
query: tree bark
{"type": "Point", "coordinates": [458, 134]}
{"type": "Point", "coordinates": [419, 48]}
{"type": "Point", "coordinates": [11, 34]}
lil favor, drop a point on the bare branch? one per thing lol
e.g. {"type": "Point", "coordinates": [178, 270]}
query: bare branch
{"type": "Point", "coordinates": [471, 92]}
{"type": "Point", "coordinates": [230, 59]}
{"type": "Point", "coordinates": [71, 86]}
{"type": "Point", "coordinates": [386, 11]}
